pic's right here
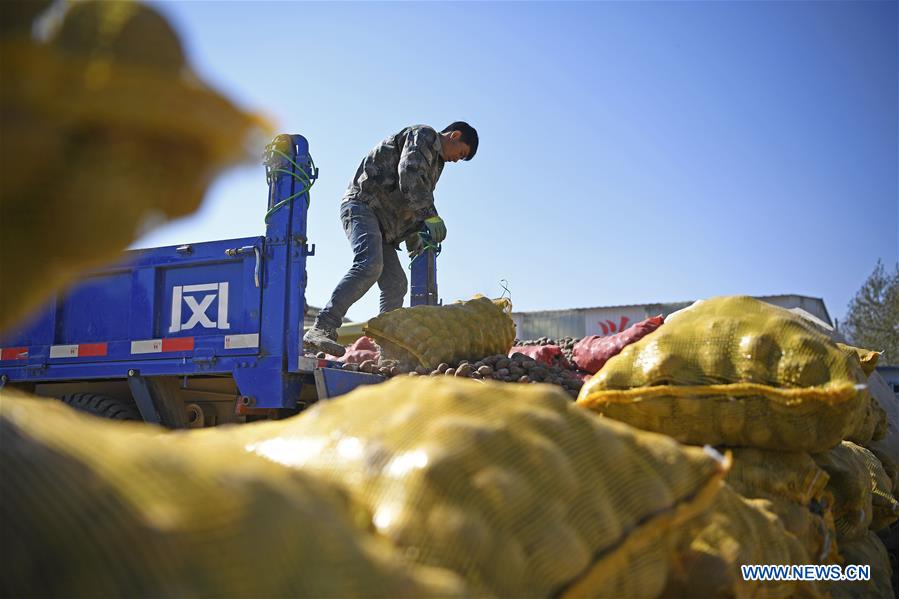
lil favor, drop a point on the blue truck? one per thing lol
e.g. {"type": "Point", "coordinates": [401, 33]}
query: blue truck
{"type": "Point", "coordinates": [197, 334]}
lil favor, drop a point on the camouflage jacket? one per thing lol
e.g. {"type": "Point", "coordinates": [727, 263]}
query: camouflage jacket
{"type": "Point", "coordinates": [397, 180]}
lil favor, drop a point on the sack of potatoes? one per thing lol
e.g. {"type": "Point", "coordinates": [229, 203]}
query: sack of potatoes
{"type": "Point", "coordinates": [512, 487]}
{"type": "Point", "coordinates": [735, 371]}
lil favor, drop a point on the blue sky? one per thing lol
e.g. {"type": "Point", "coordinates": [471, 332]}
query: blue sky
{"type": "Point", "coordinates": [631, 152]}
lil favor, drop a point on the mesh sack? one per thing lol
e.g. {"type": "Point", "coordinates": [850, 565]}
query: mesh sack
{"type": "Point", "coordinates": [873, 425]}
{"type": "Point", "coordinates": [887, 448]}
{"type": "Point", "coordinates": [96, 508]}
{"type": "Point", "coordinates": [866, 357]}
{"type": "Point", "coordinates": [851, 486]}
{"type": "Point", "coordinates": [889, 460]}
{"type": "Point", "coordinates": [734, 371]}
{"type": "Point", "coordinates": [812, 524]}
{"type": "Point", "coordinates": [104, 129]}
{"type": "Point", "coordinates": [359, 351]}
{"type": "Point", "coordinates": [790, 475]}
{"type": "Point", "coordinates": [861, 475]}
{"type": "Point", "coordinates": [866, 551]}
{"type": "Point", "coordinates": [593, 351]}
{"type": "Point", "coordinates": [885, 508]}
{"type": "Point", "coordinates": [428, 335]}
{"type": "Point", "coordinates": [740, 532]}
{"type": "Point", "coordinates": [511, 486]}
{"type": "Point", "coordinates": [551, 355]}
{"type": "Point", "coordinates": [795, 486]}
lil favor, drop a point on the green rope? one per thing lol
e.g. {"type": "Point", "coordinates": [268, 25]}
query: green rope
{"type": "Point", "coordinates": [301, 176]}
{"type": "Point", "coordinates": [427, 244]}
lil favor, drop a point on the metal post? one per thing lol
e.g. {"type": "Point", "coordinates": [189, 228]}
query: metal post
{"type": "Point", "coordinates": [424, 280]}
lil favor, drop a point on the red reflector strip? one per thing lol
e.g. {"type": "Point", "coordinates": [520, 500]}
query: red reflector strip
{"type": "Point", "coordinates": [156, 346]}
{"type": "Point", "coordinates": [82, 350]}
{"type": "Point", "coordinates": [14, 353]}
{"type": "Point", "coordinates": [86, 350]}
{"type": "Point", "coordinates": [178, 344]}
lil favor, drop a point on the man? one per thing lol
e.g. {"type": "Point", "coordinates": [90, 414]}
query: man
{"type": "Point", "coordinates": [389, 201]}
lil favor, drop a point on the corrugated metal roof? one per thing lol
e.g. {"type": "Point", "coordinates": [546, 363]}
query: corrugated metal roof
{"type": "Point", "coordinates": [678, 303]}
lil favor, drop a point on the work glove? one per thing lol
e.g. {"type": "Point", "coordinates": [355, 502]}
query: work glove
{"type": "Point", "coordinates": [436, 228]}
{"type": "Point", "coordinates": [414, 245]}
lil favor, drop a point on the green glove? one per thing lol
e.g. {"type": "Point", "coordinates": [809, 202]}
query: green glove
{"type": "Point", "coordinates": [436, 228]}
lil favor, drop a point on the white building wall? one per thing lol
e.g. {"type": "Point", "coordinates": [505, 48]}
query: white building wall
{"type": "Point", "coordinates": [610, 320]}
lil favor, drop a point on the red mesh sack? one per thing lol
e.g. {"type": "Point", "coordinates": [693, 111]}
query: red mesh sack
{"type": "Point", "coordinates": [550, 355]}
{"type": "Point", "coordinates": [362, 349]}
{"type": "Point", "coordinates": [590, 353]}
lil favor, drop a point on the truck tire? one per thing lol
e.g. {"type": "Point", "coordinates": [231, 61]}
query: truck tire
{"type": "Point", "coordinates": [100, 405]}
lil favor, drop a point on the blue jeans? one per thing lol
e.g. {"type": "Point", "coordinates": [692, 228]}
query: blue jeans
{"type": "Point", "coordinates": [373, 261]}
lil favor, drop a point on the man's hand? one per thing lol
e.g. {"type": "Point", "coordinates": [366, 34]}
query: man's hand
{"type": "Point", "coordinates": [414, 245]}
{"type": "Point", "coordinates": [436, 228]}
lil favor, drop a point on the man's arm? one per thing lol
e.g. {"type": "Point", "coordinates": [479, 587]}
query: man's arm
{"type": "Point", "coordinates": [417, 162]}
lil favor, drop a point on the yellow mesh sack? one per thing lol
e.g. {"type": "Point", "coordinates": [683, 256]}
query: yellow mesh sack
{"type": "Point", "coordinates": [105, 128]}
{"type": "Point", "coordinates": [794, 484]}
{"type": "Point", "coordinates": [887, 448]}
{"type": "Point", "coordinates": [511, 486]}
{"type": "Point", "coordinates": [884, 506]}
{"type": "Point", "coordinates": [812, 524]}
{"type": "Point", "coordinates": [96, 508]}
{"type": "Point", "coordinates": [889, 460]}
{"type": "Point", "coordinates": [740, 532]}
{"type": "Point", "coordinates": [791, 475]}
{"type": "Point", "coordinates": [429, 335]}
{"type": "Point", "coordinates": [734, 371]}
{"type": "Point", "coordinates": [866, 551]}
{"type": "Point", "coordinates": [861, 475]}
{"type": "Point", "coordinates": [873, 425]}
{"type": "Point", "coordinates": [851, 485]}
{"type": "Point", "coordinates": [866, 357]}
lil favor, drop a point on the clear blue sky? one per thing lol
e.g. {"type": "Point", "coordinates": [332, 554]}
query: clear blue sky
{"type": "Point", "coordinates": [631, 152]}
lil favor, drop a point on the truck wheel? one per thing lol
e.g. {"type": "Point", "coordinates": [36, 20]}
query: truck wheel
{"type": "Point", "coordinates": [100, 405]}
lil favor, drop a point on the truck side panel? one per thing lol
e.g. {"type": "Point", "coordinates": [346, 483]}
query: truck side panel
{"type": "Point", "coordinates": [159, 304]}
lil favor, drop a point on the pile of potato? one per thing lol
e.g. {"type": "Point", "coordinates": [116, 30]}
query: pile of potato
{"type": "Point", "coordinates": [516, 368]}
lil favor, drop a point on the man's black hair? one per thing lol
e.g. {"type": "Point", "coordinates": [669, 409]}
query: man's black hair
{"type": "Point", "coordinates": [469, 136]}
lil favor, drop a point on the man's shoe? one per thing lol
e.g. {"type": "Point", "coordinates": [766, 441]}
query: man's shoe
{"type": "Point", "coordinates": [322, 338]}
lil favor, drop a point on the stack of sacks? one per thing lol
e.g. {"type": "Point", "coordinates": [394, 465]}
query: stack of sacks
{"type": "Point", "coordinates": [862, 491]}
{"type": "Point", "coordinates": [741, 531]}
{"type": "Point", "coordinates": [863, 503]}
{"type": "Point", "coordinates": [96, 508]}
{"type": "Point", "coordinates": [867, 550]}
{"type": "Point", "coordinates": [887, 451]}
{"type": "Point", "coordinates": [880, 458]}
{"type": "Point", "coordinates": [426, 336]}
{"type": "Point", "coordinates": [795, 486]}
{"type": "Point", "coordinates": [510, 486]}
{"type": "Point", "coordinates": [887, 448]}
{"type": "Point", "coordinates": [737, 372]}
